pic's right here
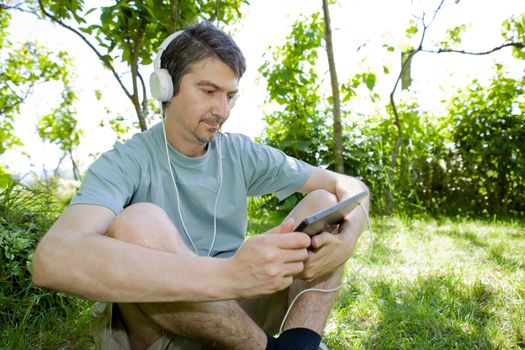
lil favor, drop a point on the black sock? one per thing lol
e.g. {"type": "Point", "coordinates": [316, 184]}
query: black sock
{"type": "Point", "coordinates": [298, 339]}
{"type": "Point", "coordinates": [271, 344]}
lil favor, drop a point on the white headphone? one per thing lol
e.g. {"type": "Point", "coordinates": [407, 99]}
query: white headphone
{"type": "Point", "coordinates": [160, 81]}
{"type": "Point", "coordinates": [161, 86]}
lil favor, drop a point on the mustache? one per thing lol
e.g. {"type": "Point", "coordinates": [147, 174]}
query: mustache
{"type": "Point", "coordinates": [214, 119]}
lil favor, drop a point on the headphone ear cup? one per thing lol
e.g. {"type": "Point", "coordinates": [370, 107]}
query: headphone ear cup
{"type": "Point", "coordinates": [161, 85]}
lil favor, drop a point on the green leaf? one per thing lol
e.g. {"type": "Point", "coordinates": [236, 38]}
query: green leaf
{"type": "Point", "coordinates": [412, 29]}
{"type": "Point", "coordinates": [98, 95]}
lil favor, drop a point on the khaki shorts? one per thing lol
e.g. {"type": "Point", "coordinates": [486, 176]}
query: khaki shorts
{"type": "Point", "coordinates": [110, 334]}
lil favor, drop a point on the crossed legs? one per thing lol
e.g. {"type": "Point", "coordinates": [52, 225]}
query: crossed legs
{"type": "Point", "coordinates": [217, 324]}
{"type": "Point", "coordinates": [222, 324]}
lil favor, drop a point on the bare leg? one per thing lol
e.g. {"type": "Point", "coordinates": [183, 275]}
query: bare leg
{"type": "Point", "coordinates": [217, 324]}
{"type": "Point", "coordinates": [312, 309]}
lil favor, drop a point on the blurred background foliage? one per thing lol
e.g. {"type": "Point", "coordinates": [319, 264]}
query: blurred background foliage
{"type": "Point", "coordinates": [467, 160]}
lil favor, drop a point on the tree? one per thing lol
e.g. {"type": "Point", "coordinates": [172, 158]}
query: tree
{"type": "Point", "coordinates": [298, 126]}
{"type": "Point", "coordinates": [23, 67]}
{"type": "Point", "coordinates": [336, 101]}
{"type": "Point", "coordinates": [513, 33]}
{"type": "Point", "coordinates": [60, 128]}
{"type": "Point", "coordinates": [127, 33]}
{"type": "Point", "coordinates": [404, 154]}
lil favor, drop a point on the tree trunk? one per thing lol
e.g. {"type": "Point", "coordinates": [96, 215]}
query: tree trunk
{"type": "Point", "coordinates": [338, 129]}
{"type": "Point", "coordinates": [76, 172]}
{"type": "Point", "coordinates": [406, 76]}
{"type": "Point", "coordinates": [406, 81]}
{"type": "Point", "coordinates": [174, 11]}
{"type": "Point", "coordinates": [395, 154]}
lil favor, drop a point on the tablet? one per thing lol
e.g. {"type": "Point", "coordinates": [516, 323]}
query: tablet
{"type": "Point", "coordinates": [334, 215]}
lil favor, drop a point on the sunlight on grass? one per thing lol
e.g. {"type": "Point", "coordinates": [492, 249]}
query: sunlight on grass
{"type": "Point", "coordinates": [428, 284]}
{"type": "Point", "coordinates": [434, 285]}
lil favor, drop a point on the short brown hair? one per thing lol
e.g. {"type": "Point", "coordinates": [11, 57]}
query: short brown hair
{"type": "Point", "coordinates": [198, 42]}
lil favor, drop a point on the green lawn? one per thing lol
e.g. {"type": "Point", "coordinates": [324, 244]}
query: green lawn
{"type": "Point", "coordinates": [428, 285]}
{"type": "Point", "coordinates": [435, 285]}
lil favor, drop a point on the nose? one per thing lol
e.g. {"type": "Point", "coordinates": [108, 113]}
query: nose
{"type": "Point", "coordinates": [221, 106]}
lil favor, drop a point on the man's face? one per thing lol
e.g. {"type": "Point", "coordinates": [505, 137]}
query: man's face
{"type": "Point", "coordinates": [203, 103]}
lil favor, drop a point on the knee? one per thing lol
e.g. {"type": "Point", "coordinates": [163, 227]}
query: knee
{"type": "Point", "coordinates": [320, 199]}
{"type": "Point", "coordinates": [313, 202]}
{"type": "Point", "coordinates": [144, 224]}
{"type": "Point", "coordinates": [136, 219]}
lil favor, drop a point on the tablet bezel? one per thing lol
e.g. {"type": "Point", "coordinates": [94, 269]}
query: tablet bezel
{"type": "Point", "coordinates": [334, 215]}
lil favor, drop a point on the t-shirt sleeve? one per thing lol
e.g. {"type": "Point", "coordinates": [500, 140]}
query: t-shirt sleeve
{"type": "Point", "coordinates": [110, 181]}
{"type": "Point", "coordinates": [269, 170]}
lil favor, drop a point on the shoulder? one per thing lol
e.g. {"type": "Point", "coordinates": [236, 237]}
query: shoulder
{"type": "Point", "coordinates": [140, 146]}
{"type": "Point", "coordinates": [146, 139]}
{"type": "Point", "coordinates": [240, 142]}
{"type": "Point", "coordinates": [234, 138]}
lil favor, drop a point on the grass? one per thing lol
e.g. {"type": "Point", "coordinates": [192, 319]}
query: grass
{"type": "Point", "coordinates": [429, 284]}
{"type": "Point", "coordinates": [61, 327]}
{"type": "Point", "coordinates": [31, 317]}
{"type": "Point", "coordinates": [435, 285]}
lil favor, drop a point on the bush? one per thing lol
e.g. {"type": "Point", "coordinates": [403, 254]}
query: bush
{"type": "Point", "coordinates": [32, 317]}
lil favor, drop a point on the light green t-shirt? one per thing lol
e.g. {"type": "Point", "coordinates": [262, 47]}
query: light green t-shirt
{"type": "Point", "coordinates": [137, 171]}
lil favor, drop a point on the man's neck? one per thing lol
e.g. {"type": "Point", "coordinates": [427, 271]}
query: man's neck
{"type": "Point", "coordinates": [187, 148]}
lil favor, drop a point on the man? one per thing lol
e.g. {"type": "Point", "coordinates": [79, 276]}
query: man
{"type": "Point", "coordinates": [157, 229]}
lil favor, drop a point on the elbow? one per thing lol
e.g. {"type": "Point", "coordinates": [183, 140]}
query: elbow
{"type": "Point", "coordinates": [41, 275]}
{"type": "Point", "coordinates": [357, 183]}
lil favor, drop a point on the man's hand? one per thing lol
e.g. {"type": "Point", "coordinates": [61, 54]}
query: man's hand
{"type": "Point", "coordinates": [330, 250]}
{"type": "Point", "coordinates": [266, 263]}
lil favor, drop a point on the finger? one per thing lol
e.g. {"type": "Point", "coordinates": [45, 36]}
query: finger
{"type": "Point", "coordinates": [320, 240]}
{"type": "Point", "coordinates": [290, 240]}
{"type": "Point", "coordinates": [286, 226]}
{"type": "Point", "coordinates": [294, 268]}
{"type": "Point", "coordinates": [287, 281]}
{"type": "Point", "coordinates": [294, 255]}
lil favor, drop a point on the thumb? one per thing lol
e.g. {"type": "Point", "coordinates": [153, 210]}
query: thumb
{"type": "Point", "coordinates": [320, 240]}
{"type": "Point", "coordinates": [286, 226]}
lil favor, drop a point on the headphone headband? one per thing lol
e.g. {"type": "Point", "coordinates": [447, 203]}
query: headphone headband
{"type": "Point", "coordinates": [164, 46]}
{"type": "Point", "coordinates": [160, 82]}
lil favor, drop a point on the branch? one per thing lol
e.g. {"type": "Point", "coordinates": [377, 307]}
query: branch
{"type": "Point", "coordinates": [413, 52]}
{"type": "Point", "coordinates": [426, 26]}
{"type": "Point", "coordinates": [144, 93]}
{"type": "Point", "coordinates": [436, 12]}
{"type": "Point", "coordinates": [99, 55]}
{"type": "Point", "coordinates": [143, 84]}
{"type": "Point", "coordinates": [397, 120]}
{"type": "Point", "coordinates": [21, 96]}
{"type": "Point", "coordinates": [518, 45]}
{"type": "Point", "coordinates": [17, 6]}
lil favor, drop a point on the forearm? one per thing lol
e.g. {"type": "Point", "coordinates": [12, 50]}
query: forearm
{"type": "Point", "coordinates": [101, 268]}
{"type": "Point", "coordinates": [342, 186]}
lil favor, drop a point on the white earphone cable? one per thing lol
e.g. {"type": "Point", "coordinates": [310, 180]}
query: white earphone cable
{"type": "Point", "coordinates": [370, 249]}
{"type": "Point", "coordinates": [175, 186]}
{"type": "Point", "coordinates": [178, 196]}
{"type": "Point", "coordinates": [219, 149]}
